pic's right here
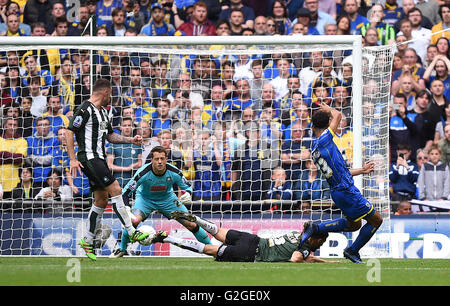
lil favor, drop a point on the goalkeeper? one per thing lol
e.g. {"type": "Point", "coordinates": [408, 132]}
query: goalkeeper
{"type": "Point", "coordinates": [153, 184]}
{"type": "Point", "coordinates": [245, 247]}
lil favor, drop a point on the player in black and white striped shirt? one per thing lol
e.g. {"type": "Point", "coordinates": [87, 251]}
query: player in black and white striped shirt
{"type": "Point", "coordinates": [92, 128]}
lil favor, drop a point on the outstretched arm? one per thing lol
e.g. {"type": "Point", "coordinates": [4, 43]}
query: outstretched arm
{"type": "Point", "coordinates": [116, 138]}
{"type": "Point", "coordinates": [298, 258]}
{"type": "Point", "coordinates": [366, 169]}
{"type": "Point", "coordinates": [335, 116]}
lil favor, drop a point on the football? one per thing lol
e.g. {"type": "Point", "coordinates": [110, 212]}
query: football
{"type": "Point", "coordinates": [151, 233]}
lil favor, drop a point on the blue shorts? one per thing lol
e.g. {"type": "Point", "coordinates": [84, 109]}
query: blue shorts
{"type": "Point", "coordinates": [352, 203]}
{"type": "Point", "coordinates": [146, 206]}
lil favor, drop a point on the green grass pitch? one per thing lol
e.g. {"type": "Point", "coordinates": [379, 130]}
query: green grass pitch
{"type": "Point", "coordinates": [164, 271]}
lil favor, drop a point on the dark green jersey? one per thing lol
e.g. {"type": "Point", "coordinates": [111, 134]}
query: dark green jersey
{"type": "Point", "coordinates": [281, 248]}
{"type": "Point", "coordinates": [91, 127]}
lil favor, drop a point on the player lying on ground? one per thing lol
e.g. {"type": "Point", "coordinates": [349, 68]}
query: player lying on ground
{"type": "Point", "coordinates": [153, 184]}
{"type": "Point", "coordinates": [92, 127]}
{"type": "Point", "coordinates": [345, 195]}
{"type": "Point", "coordinates": [246, 247]}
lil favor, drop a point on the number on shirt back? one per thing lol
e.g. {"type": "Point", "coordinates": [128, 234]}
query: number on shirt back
{"type": "Point", "coordinates": [322, 165]}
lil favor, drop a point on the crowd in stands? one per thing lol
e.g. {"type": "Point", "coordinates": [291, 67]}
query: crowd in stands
{"type": "Point", "coordinates": [237, 126]}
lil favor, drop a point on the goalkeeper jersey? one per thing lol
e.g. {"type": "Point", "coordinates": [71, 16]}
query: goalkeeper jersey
{"type": "Point", "coordinates": [156, 188]}
{"type": "Point", "coordinates": [279, 249]}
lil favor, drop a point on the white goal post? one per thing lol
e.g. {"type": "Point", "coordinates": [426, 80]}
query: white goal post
{"type": "Point", "coordinates": [56, 232]}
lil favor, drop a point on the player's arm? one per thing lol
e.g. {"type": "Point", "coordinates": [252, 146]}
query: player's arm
{"type": "Point", "coordinates": [335, 116]}
{"type": "Point", "coordinates": [116, 138]}
{"type": "Point", "coordinates": [366, 169]}
{"type": "Point", "coordinates": [186, 188]}
{"type": "Point", "coordinates": [75, 165]}
{"type": "Point", "coordinates": [298, 257]}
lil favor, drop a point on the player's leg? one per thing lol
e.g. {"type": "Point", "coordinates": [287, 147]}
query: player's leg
{"type": "Point", "coordinates": [198, 232]}
{"type": "Point", "coordinates": [187, 244]}
{"type": "Point", "coordinates": [374, 221]}
{"type": "Point", "coordinates": [210, 227]}
{"type": "Point", "coordinates": [94, 220]}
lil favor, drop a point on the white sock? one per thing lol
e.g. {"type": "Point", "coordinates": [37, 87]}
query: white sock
{"type": "Point", "coordinates": [208, 226]}
{"type": "Point", "coordinates": [94, 219]}
{"type": "Point", "coordinates": [188, 244]}
{"type": "Point", "coordinates": [121, 212]}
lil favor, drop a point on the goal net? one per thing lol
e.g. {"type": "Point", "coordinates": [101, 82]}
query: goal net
{"type": "Point", "coordinates": [233, 113]}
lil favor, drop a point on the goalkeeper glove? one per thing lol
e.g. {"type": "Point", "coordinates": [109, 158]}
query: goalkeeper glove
{"type": "Point", "coordinates": [185, 198]}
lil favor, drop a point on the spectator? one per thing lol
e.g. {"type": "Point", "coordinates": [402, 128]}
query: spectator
{"type": "Point", "coordinates": [420, 34]}
{"type": "Point", "coordinates": [434, 179]}
{"type": "Point", "coordinates": [280, 188]}
{"type": "Point", "coordinates": [37, 11]}
{"type": "Point", "coordinates": [258, 80]}
{"type": "Point", "coordinates": [104, 10]}
{"type": "Point", "coordinates": [410, 67]}
{"type": "Point", "coordinates": [26, 117]}
{"type": "Point", "coordinates": [251, 168]}
{"type": "Point", "coordinates": [56, 190]}
{"type": "Point", "coordinates": [248, 12]}
{"type": "Point", "coordinates": [343, 23]}
{"type": "Point", "coordinates": [124, 159]}
{"type": "Point", "coordinates": [14, 8]}
{"type": "Point", "coordinates": [280, 83]}
{"type": "Point", "coordinates": [207, 161]}
{"type": "Point", "coordinates": [401, 126]}
{"type": "Point", "coordinates": [430, 10]}
{"type": "Point", "coordinates": [439, 133]}
{"type": "Point", "coordinates": [392, 12]}
{"type": "Point", "coordinates": [260, 25]}
{"type": "Point", "coordinates": [223, 27]}
{"type": "Point", "coordinates": [26, 189]}
{"type": "Point", "coordinates": [174, 156]}
{"type": "Point", "coordinates": [280, 13]}
{"type": "Point", "coordinates": [438, 102]}
{"type": "Point", "coordinates": [78, 27]}
{"type": "Point", "coordinates": [212, 112]}
{"type": "Point", "coordinates": [183, 84]}
{"type": "Point", "coordinates": [67, 87]}
{"type": "Point", "coordinates": [160, 86]}
{"type": "Point", "coordinates": [423, 121]}
{"type": "Point", "coordinates": [270, 127]}
{"type": "Point", "coordinates": [161, 119]}
{"type": "Point", "coordinates": [438, 69]}
{"type": "Point", "coordinates": [311, 184]}
{"type": "Point", "coordinates": [56, 117]}
{"type": "Point", "coordinates": [236, 21]}
{"type": "Point", "coordinates": [309, 72]}
{"type": "Point", "coordinates": [403, 174]}
{"type": "Point", "coordinates": [117, 28]}
{"type": "Point", "coordinates": [39, 101]}
{"type": "Point", "coordinates": [432, 51]}
{"type": "Point", "coordinates": [13, 150]}
{"type": "Point", "coordinates": [422, 157]}
{"type": "Point", "coordinates": [320, 93]}
{"type": "Point", "coordinates": [41, 146]}
{"type": "Point", "coordinates": [295, 151]}
{"type": "Point", "coordinates": [299, 112]}
{"type": "Point", "coordinates": [201, 77]}
{"type": "Point", "coordinates": [357, 21]}
{"type": "Point", "coordinates": [385, 32]}
{"type": "Point", "coordinates": [61, 161]}
{"type": "Point", "coordinates": [33, 70]}
{"type": "Point", "coordinates": [403, 208]}
{"type": "Point", "coordinates": [58, 11]}
{"type": "Point", "coordinates": [157, 25]}
{"type": "Point", "coordinates": [444, 145]}
{"type": "Point", "coordinates": [234, 106]}
{"type": "Point", "coordinates": [341, 102]}
{"type": "Point", "coordinates": [13, 26]}
{"type": "Point", "coordinates": [443, 46]}
{"type": "Point", "coordinates": [198, 24]}
{"type": "Point", "coordinates": [271, 26]}
{"type": "Point", "coordinates": [318, 18]}
{"type": "Point", "coordinates": [438, 29]}
{"type": "Point", "coordinates": [149, 142]}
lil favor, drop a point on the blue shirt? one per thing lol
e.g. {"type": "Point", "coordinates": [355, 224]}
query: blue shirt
{"type": "Point", "coordinates": [156, 188]}
{"type": "Point", "coordinates": [328, 159]}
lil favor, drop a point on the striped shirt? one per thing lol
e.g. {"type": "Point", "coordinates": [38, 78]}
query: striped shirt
{"type": "Point", "coordinates": [91, 127]}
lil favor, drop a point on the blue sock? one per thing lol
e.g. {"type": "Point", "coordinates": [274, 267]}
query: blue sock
{"type": "Point", "coordinates": [366, 232]}
{"type": "Point", "coordinates": [338, 225]}
{"type": "Point", "coordinates": [202, 236]}
{"type": "Point", "coordinates": [125, 240]}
